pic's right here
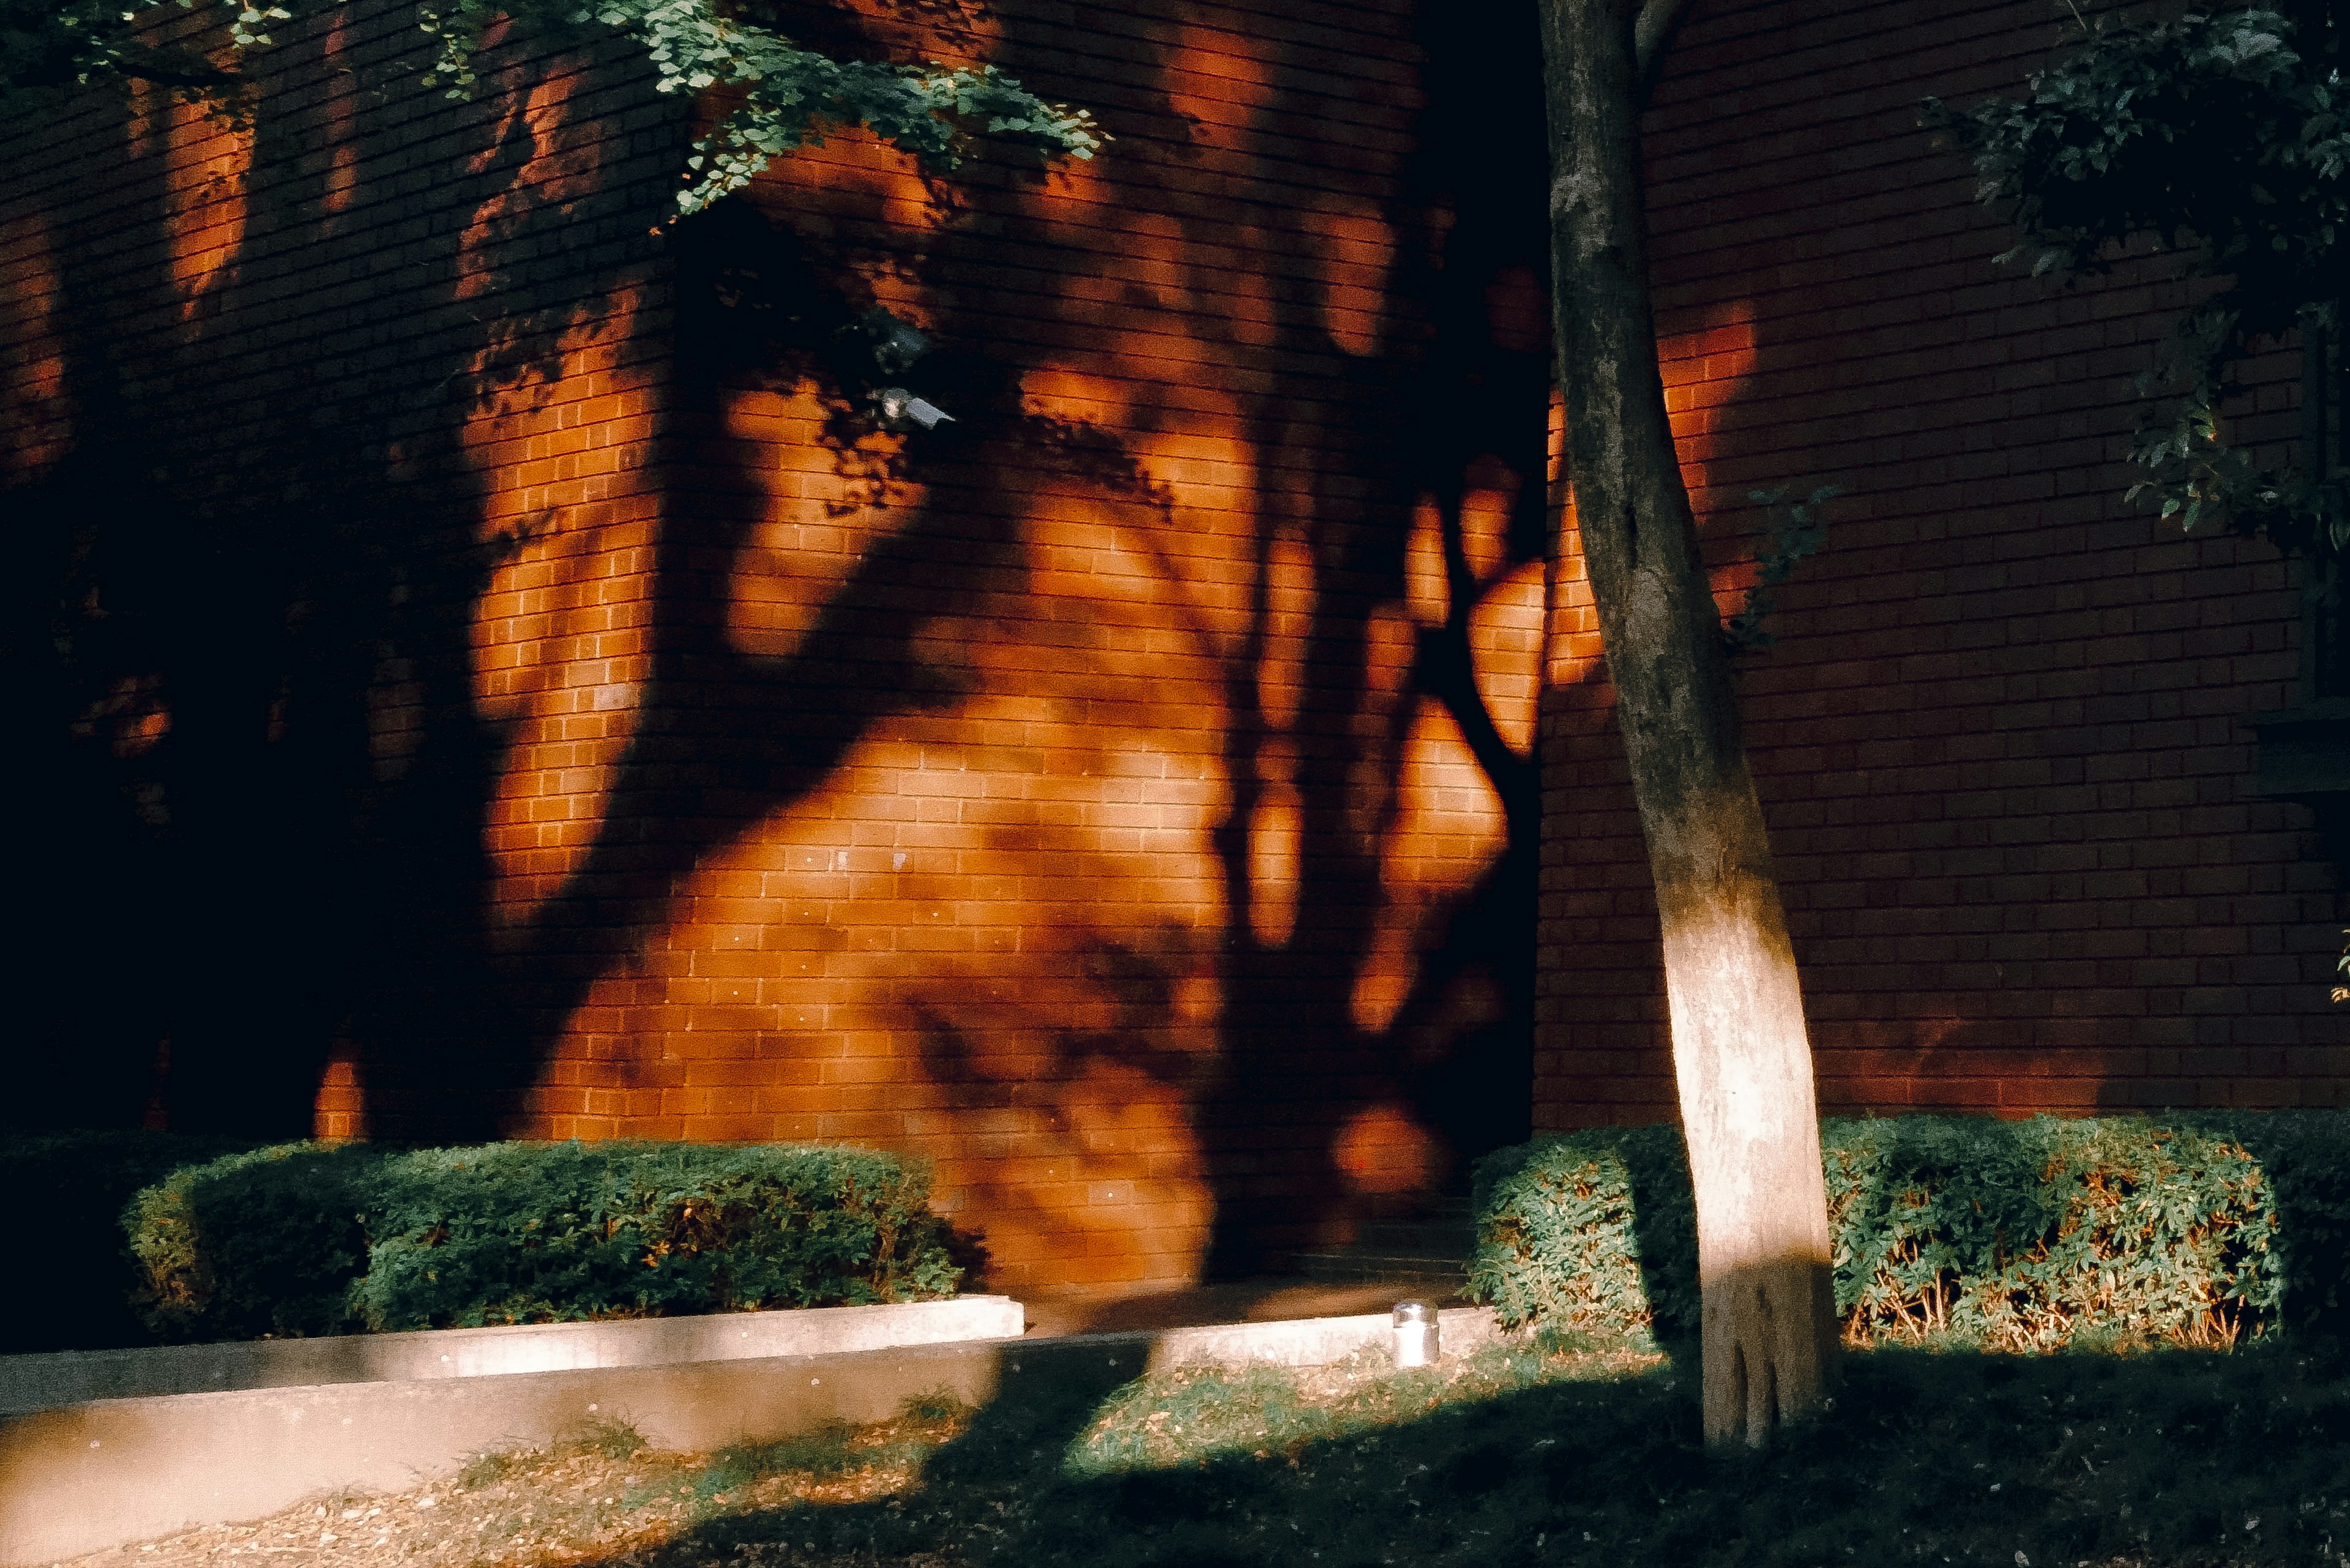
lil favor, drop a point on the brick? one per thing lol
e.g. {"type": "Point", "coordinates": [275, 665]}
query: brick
{"type": "Point", "coordinates": [2031, 629]}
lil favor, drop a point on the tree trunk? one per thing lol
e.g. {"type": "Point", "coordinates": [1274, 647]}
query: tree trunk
{"type": "Point", "coordinates": [1740, 1057]}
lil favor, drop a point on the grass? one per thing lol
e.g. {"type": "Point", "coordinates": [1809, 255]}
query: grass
{"type": "Point", "coordinates": [1543, 1455]}
{"type": "Point", "coordinates": [1207, 1415]}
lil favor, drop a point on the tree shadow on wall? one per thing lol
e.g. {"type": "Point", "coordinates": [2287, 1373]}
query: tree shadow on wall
{"type": "Point", "coordinates": [376, 930]}
{"type": "Point", "coordinates": [726, 738]}
{"type": "Point", "coordinates": [88, 711]}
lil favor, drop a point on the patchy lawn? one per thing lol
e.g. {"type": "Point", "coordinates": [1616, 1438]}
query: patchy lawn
{"type": "Point", "coordinates": [2167, 1460]}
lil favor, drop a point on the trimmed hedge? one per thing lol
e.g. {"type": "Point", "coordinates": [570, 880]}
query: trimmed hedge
{"type": "Point", "coordinates": [2014, 1235]}
{"type": "Point", "coordinates": [1594, 1232]}
{"type": "Point", "coordinates": [265, 1242]}
{"type": "Point", "coordinates": [316, 1239]}
{"type": "Point", "coordinates": [72, 1289]}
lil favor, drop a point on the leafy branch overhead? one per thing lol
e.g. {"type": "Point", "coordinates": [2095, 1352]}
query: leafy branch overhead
{"type": "Point", "coordinates": [1798, 531]}
{"type": "Point", "coordinates": [2224, 136]}
{"type": "Point", "coordinates": [783, 96]}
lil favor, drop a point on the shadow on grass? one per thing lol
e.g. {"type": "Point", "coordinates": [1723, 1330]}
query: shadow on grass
{"type": "Point", "coordinates": [2169, 1457]}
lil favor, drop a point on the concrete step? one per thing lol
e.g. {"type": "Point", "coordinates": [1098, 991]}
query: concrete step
{"type": "Point", "coordinates": [1425, 1238]}
{"type": "Point", "coordinates": [1428, 1248]}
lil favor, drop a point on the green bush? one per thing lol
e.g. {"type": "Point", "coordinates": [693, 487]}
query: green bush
{"type": "Point", "coordinates": [70, 1187]}
{"type": "Point", "coordinates": [2024, 1235]}
{"type": "Point", "coordinates": [261, 1243]}
{"type": "Point", "coordinates": [2306, 1158]}
{"type": "Point", "coordinates": [2012, 1235]}
{"type": "Point", "coordinates": [312, 1239]}
{"type": "Point", "coordinates": [1594, 1232]}
{"type": "Point", "coordinates": [544, 1232]}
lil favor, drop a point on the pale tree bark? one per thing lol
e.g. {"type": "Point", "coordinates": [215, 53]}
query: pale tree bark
{"type": "Point", "coordinates": [1740, 1057]}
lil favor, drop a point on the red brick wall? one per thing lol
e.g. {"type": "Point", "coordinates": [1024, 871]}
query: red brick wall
{"type": "Point", "coordinates": [1084, 825]}
{"type": "Point", "coordinates": [570, 717]}
{"type": "Point", "coordinates": [2000, 742]}
{"type": "Point", "coordinates": [489, 676]}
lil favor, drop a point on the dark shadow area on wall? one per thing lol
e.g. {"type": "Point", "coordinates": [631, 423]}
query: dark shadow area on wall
{"type": "Point", "coordinates": [186, 940]}
{"type": "Point", "coordinates": [265, 538]}
{"type": "Point", "coordinates": [89, 1026]}
{"type": "Point", "coordinates": [1482, 154]}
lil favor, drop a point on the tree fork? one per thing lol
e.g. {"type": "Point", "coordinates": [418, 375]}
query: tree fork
{"type": "Point", "coordinates": [1740, 1056]}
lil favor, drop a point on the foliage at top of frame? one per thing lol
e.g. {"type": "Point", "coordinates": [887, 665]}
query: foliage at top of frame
{"type": "Point", "coordinates": [786, 96]}
{"type": "Point", "coordinates": [2224, 134]}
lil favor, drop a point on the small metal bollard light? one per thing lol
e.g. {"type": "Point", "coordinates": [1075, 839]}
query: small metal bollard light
{"type": "Point", "coordinates": [1415, 1335]}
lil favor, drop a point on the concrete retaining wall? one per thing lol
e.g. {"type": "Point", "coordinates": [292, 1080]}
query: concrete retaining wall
{"type": "Point", "coordinates": [48, 1382]}
{"type": "Point", "coordinates": [103, 1473]}
{"type": "Point", "coordinates": [1311, 1342]}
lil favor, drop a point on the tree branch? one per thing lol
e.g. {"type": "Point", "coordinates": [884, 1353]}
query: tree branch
{"type": "Point", "coordinates": [1652, 34]}
{"type": "Point", "coordinates": [177, 76]}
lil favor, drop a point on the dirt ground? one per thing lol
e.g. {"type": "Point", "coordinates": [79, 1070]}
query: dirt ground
{"type": "Point", "coordinates": [602, 1499]}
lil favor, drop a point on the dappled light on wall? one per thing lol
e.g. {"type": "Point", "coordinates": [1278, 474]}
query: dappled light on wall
{"type": "Point", "coordinates": [1706, 366]}
{"type": "Point", "coordinates": [806, 546]}
{"type": "Point", "coordinates": [558, 669]}
{"type": "Point", "coordinates": [1384, 1151]}
{"type": "Point", "coordinates": [1354, 253]}
{"type": "Point", "coordinates": [1102, 793]}
{"type": "Point", "coordinates": [561, 630]}
{"type": "Point", "coordinates": [207, 163]}
{"type": "Point", "coordinates": [1000, 984]}
{"type": "Point", "coordinates": [33, 374]}
{"type": "Point", "coordinates": [1505, 632]}
{"type": "Point", "coordinates": [1131, 828]}
{"type": "Point", "coordinates": [342, 186]}
{"type": "Point", "coordinates": [555, 415]}
{"type": "Point", "coordinates": [1275, 846]}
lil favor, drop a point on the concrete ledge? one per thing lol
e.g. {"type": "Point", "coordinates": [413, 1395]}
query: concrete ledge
{"type": "Point", "coordinates": [48, 1382]}
{"type": "Point", "coordinates": [1312, 1342]}
{"type": "Point", "coordinates": [102, 1474]}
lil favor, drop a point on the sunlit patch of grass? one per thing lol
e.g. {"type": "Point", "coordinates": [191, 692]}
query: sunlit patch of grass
{"type": "Point", "coordinates": [1193, 1414]}
{"type": "Point", "coordinates": [606, 1439]}
{"type": "Point", "coordinates": [833, 1464]}
{"type": "Point", "coordinates": [485, 1471]}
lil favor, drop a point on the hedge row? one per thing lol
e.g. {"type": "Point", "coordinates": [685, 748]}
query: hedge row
{"type": "Point", "coordinates": [2015, 1235]}
{"type": "Point", "coordinates": [150, 1236]}
{"type": "Point", "coordinates": [316, 1239]}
